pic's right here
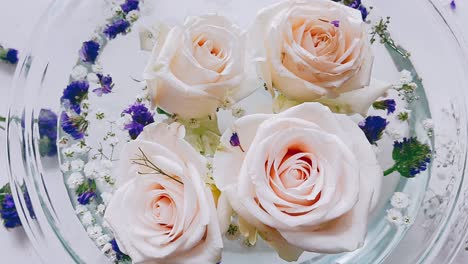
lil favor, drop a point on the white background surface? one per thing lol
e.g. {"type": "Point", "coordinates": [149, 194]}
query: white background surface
{"type": "Point", "coordinates": [15, 28]}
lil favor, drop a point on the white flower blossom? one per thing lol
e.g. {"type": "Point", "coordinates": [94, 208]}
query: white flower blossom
{"type": "Point", "coordinates": [75, 180]}
{"type": "Point", "coordinates": [77, 165]}
{"type": "Point", "coordinates": [428, 124]}
{"type": "Point", "coordinates": [101, 209]}
{"type": "Point", "coordinates": [407, 220]}
{"type": "Point", "coordinates": [406, 77]}
{"type": "Point", "coordinates": [400, 200]}
{"type": "Point", "coordinates": [94, 231]}
{"type": "Point", "coordinates": [92, 78]}
{"type": "Point", "coordinates": [102, 240]}
{"type": "Point", "coordinates": [133, 15]}
{"type": "Point", "coordinates": [394, 134]}
{"type": "Point", "coordinates": [91, 169]}
{"type": "Point", "coordinates": [68, 152]}
{"type": "Point", "coordinates": [65, 167]}
{"type": "Point", "coordinates": [87, 219]}
{"type": "Point", "coordinates": [81, 209]}
{"type": "Point", "coordinates": [394, 216]}
{"type": "Point", "coordinates": [97, 68]}
{"type": "Point", "coordinates": [79, 72]}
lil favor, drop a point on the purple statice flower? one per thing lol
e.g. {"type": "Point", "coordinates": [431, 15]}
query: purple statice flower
{"type": "Point", "coordinates": [129, 5]}
{"type": "Point", "coordinates": [453, 5]}
{"type": "Point", "coordinates": [373, 127]}
{"type": "Point", "coordinates": [118, 253]}
{"type": "Point", "coordinates": [235, 142]}
{"type": "Point", "coordinates": [141, 117]}
{"type": "Point", "coordinates": [9, 55]}
{"type": "Point", "coordinates": [75, 93]}
{"type": "Point", "coordinates": [86, 197]}
{"type": "Point", "coordinates": [357, 4]}
{"type": "Point", "coordinates": [89, 51]}
{"type": "Point", "coordinates": [106, 85]}
{"type": "Point", "coordinates": [336, 23]}
{"type": "Point", "coordinates": [75, 126]}
{"type": "Point", "coordinates": [27, 200]}
{"type": "Point", "coordinates": [389, 105]}
{"type": "Point", "coordinates": [117, 27]}
{"type": "Point", "coordinates": [47, 124]}
{"type": "Point", "coordinates": [8, 212]}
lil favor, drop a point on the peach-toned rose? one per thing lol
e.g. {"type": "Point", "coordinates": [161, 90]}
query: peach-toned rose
{"type": "Point", "coordinates": [162, 212]}
{"type": "Point", "coordinates": [316, 50]}
{"type": "Point", "coordinates": [306, 179]}
{"type": "Point", "coordinates": [200, 66]}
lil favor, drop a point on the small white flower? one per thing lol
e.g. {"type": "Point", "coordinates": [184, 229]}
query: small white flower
{"type": "Point", "coordinates": [428, 124]}
{"type": "Point", "coordinates": [106, 248]}
{"type": "Point", "coordinates": [79, 72]}
{"type": "Point", "coordinates": [65, 167]}
{"type": "Point", "coordinates": [101, 209]}
{"type": "Point", "coordinates": [77, 165]}
{"type": "Point", "coordinates": [63, 142]}
{"type": "Point", "coordinates": [238, 112]}
{"type": "Point", "coordinates": [394, 216]}
{"type": "Point", "coordinates": [406, 77]}
{"type": "Point", "coordinates": [97, 68]}
{"type": "Point", "coordinates": [92, 78]}
{"type": "Point", "coordinates": [91, 169]}
{"type": "Point", "coordinates": [400, 200]}
{"type": "Point", "coordinates": [75, 180]}
{"type": "Point", "coordinates": [94, 231]}
{"type": "Point", "coordinates": [106, 197]}
{"type": "Point", "coordinates": [133, 16]}
{"type": "Point", "coordinates": [68, 152]}
{"type": "Point", "coordinates": [117, 9]}
{"type": "Point", "coordinates": [81, 209]}
{"type": "Point", "coordinates": [407, 220]}
{"type": "Point", "coordinates": [102, 240]}
{"type": "Point", "coordinates": [87, 219]}
{"type": "Point", "coordinates": [394, 134]}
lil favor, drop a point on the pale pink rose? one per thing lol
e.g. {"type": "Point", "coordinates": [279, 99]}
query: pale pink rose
{"type": "Point", "coordinates": [166, 216]}
{"type": "Point", "coordinates": [316, 50]}
{"type": "Point", "coordinates": [200, 66]}
{"type": "Point", "coordinates": [305, 178]}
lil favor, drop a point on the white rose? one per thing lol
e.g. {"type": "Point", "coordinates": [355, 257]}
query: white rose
{"type": "Point", "coordinates": [198, 67]}
{"type": "Point", "coordinates": [162, 212]}
{"type": "Point", "coordinates": [316, 50]}
{"type": "Point", "coordinates": [306, 179]}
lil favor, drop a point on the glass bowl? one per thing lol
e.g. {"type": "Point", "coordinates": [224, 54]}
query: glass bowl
{"type": "Point", "coordinates": [48, 208]}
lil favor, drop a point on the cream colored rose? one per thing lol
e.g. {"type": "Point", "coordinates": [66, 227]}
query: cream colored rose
{"type": "Point", "coordinates": [162, 211]}
{"type": "Point", "coordinates": [316, 50]}
{"type": "Point", "coordinates": [200, 66]}
{"type": "Point", "coordinates": [306, 179]}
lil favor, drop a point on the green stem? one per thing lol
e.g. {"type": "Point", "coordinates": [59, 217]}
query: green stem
{"type": "Point", "coordinates": [390, 170]}
{"type": "Point", "coordinates": [2, 119]}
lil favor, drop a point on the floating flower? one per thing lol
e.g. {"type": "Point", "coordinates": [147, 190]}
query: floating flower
{"type": "Point", "coordinates": [106, 85]}
{"type": "Point", "coordinates": [117, 27]}
{"type": "Point", "coordinates": [47, 123]}
{"type": "Point", "coordinates": [400, 200]}
{"type": "Point", "coordinates": [89, 51]}
{"type": "Point", "coordinates": [141, 117]}
{"type": "Point", "coordinates": [9, 55]}
{"type": "Point", "coordinates": [411, 157]}
{"type": "Point", "coordinates": [389, 105]}
{"type": "Point", "coordinates": [75, 126]}
{"type": "Point", "coordinates": [129, 5]}
{"type": "Point", "coordinates": [373, 127]}
{"type": "Point", "coordinates": [394, 216]}
{"type": "Point", "coordinates": [293, 56]}
{"type": "Point", "coordinates": [283, 185]}
{"type": "Point", "coordinates": [74, 94]}
{"type": "Point", "coordinates": [86, 197]}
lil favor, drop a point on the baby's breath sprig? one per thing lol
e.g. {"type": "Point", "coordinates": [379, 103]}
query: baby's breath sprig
{"type": "Point", "coordinates": [380, 29]}
{"type": "Point", "coordinates": [143, 160]}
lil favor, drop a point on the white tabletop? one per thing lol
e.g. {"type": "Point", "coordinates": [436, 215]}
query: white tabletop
{"type": "Point", "coordinates": [14, 31]}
